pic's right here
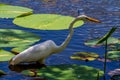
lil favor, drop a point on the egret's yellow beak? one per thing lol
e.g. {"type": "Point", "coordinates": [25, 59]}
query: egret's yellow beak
{"type": "Point", "coordinates": [93, 20]}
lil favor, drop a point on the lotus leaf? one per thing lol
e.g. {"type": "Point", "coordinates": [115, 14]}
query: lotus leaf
{"type": "Point", "coordinates": [69, 72]}
{"type": "Point", "coordinates": [16, 38]}
{"type": "Point", "coordinates": [85, 56]}
{"type": "Point", "coordinates": [28, 72]}
{"type": "Point", "coordinates": [8, 11]}
{"type": "Point", "coordinates": [114, 47]}
{"type": "Point", "coordinates": [113, 55]}
{"type": "Point", "coordinates": [17, 50]}
{"type": "Point", "coordinates": [46, 21]}
{"type": "Point", "coordinates": [93, 42]}
{"type": "Point", "coordinates": [5, 55]}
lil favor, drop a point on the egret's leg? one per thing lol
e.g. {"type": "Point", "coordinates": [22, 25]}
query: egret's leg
{"type": "Point", "coordinates": [41, 62]}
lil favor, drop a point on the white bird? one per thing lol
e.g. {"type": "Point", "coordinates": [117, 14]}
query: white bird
{"type": "Point", "coordinates": [39, 52]}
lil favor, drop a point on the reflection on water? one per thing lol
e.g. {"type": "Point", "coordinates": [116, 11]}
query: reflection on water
{"type": "Point", "coordinates": [108, 11]}
{"type": "Point", "coordinates": [22, 67]}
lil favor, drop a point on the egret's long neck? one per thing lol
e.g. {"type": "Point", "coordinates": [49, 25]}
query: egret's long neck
{"type": "Point", "coordinates": [67, 40]}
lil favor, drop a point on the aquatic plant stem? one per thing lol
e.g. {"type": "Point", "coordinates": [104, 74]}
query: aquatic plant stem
{"type": "Point", "coordinates": [106, 50]}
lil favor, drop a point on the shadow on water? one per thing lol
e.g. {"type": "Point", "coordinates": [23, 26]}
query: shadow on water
{"type": "Point", "coordinates": [31, 67]}
{"type": "Point", "coordinates": [22, 67]}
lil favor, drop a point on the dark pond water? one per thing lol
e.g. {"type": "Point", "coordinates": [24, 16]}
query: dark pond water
{"type": "Point", "coordinates": [108, 11]}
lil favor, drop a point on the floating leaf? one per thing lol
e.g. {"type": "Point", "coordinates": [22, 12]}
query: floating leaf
{"type": "Point", "coordinates": [5, 55]}
{"type": "Point", "coordinates": [28, 72]}
{"type": "Point", "coordinates": [114, 55]}
{"type": "Point", "coordinates": [2, 73]}
{"type": "Point", "coordinates": [16, 38]}
{"type": "Point", "coordinates": [93, 42]}
{"type": "Point", "coordinates": [2, 4]}
{"type": "Point", "coordinates": [107, 35]}
{"type": "Point", "coordinates": [17, 50]}
{"type": "Point", "coordinates": [8, 11]}
{"type": "Point", "coordinates": [69, 72]}
{"type": "Point", "coordinates": [46, 21]}
{"type": "Point", "coordinates": [85, 56]}
{"type": "Point", "coordinates": [114, 47]}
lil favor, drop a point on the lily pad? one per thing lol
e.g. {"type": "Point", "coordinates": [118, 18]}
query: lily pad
{"type": "Point", "coordinates": [17, 50]}
{"type": "Point", "coordinates": [89, 56]}
{"type": "Point", "coordinates": [8, 11]}
{"type": "Point", "coordinates": [5, 55]}
{"type": "Point", "coordinates": [114, 47]}
{"type": "Point", "coordinates": [16, 38]}
{"type": "Point", "coordinates": [46, 21]}
{"type": "Point", "coordinates": [2, 73]}
{"type": "Point", "coordinates": [70, 72]}
{"type": "Point", "coordinates": [28, 73]}
{"type": "Point", "coordinates": [113, 55]}
{"type": "Point", "coordinates": [93, 42]}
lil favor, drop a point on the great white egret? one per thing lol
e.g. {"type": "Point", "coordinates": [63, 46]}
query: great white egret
{"type": "Point", "coordinates": [40, 52]}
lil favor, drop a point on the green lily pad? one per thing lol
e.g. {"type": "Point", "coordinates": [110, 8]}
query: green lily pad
{"type": "Point", "coordinates": [2, 73]}
{"type": "Point", "coordinates": [93, 42]}
{"type": "Point", "coordinates": [16, 38]}
{"type": "Point", "coordinates": [28, 73]}
{"type": "Point", "coordinates": [46, 21]}
{"type": "Point", "coordinates": [69, 72]}
{"type": "Point", "coordinates": [17, 50]}
{"type": "Point", "coordinates": [90, 56]}
{"type": "Point", "coordinates": [8, 11]}
{"type": "Point", "coordinates": [114, 47]}
{"type": "Point", "coordinates": [113, 55]}
{"type": "Point", "coordinates": [5, 55]}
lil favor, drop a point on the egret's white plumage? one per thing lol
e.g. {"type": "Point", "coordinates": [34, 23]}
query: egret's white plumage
{"type": "Point", "coordinates": [40, 52]}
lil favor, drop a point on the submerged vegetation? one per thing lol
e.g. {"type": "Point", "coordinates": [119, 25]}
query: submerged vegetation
{"type": "Point", "coordinates": [19, 40]}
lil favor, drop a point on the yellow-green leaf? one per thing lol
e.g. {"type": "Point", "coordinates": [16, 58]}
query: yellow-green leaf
{"type": "Point", "coordinates": [8, 11]}
{"type": "Point", "coordinates": [46, 21]}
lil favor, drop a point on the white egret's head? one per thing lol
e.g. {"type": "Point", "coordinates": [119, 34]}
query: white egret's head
{"type": "Point", "coordinates": [14, 61]}
{"type": "Point", "coordinates": [86, 18]}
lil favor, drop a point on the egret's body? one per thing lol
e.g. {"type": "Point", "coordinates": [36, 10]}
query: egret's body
{"type": "Point", "coordinates": [40, 52]}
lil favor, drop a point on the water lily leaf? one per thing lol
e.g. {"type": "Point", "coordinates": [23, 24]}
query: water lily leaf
{"type": "Point", "coordinates": [93, 42]}
{"type": "Point", "coordinates": [17, 50]}
{"type": "Point", "coordinates": [28, 73]}
{"type": "Point", "coordinates": [90, 56]}
{"type": "Point", "coordinates": [5, 55]}
{"type": "Point", "coordinates": [16, 38]}
{"type": "Point", "coordinates": [114, 47]}
{"type": "Point", "coordinates": [8, 11]}
{"type": "Point", "coordinates": [69, 72]}
{"type": "Point", "coordinates": [113, 55]}
{"type": "Point", "coordinates": [46, 21]}
{"type": "Point", "coordinates": [105, 37]}
{"type": "Point", "coordinates": [2, 73]}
